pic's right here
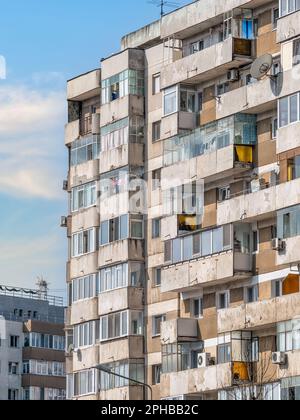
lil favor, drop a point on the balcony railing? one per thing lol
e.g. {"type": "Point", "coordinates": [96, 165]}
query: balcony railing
{"type": "Point", "coordinates": [31, 294]}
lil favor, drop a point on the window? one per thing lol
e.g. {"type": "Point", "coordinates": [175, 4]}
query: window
{"type": "Point", "coordinates": [129, 82]}
{"type": "Point", "coordinates": [156, 324]}
{"type": "Point", "coordinates": [251, 294]}
{"type": "Point", "coordinates": [156, 84]}
{"type": "Point", "coordinates": [255, 241]}
{"type": "Point", "coordinates": [290, 389]}
{"type": "Point", "coordinates": [156, 131]}
{"type": "Point", "coordinates": [84, 196]}
{"type": "Point", "coordinates": [156, 224]}
{"type": "Point", "coordinates": [289, 110]}
{"type": "Point", "coordinates": [275, 16]}
{"type": "Point", "coordinates": [170, 100]}
{"type": "Point", "coordinates": [296, 53]}
{"type": "Point", "coordinates": [222, 88]}
{"type": "Point", "coordinates": [13, 394]}
{"type": "Point", "coordinates": [187, 100]}
{"type": "Point", "coordinates": [277, 288]}
{"type": "Point", "coordinates": [288, 222]}
{"type": "Point", "coordinates": [120, 325]}
{"type": "Point", "coordinates": [274, 128]}
{"type": "Point", "coordinates": [289, 6]}
{"type": "Point", "coordinates": [196, 46]}
{"type": "Point", "coordinates": [201, 244]}
{"type": "Point", "coordinates": [224, 353]}
{"type": "Point", "coordinates": [224, 193]}
{"type": "Point", "coordinates": [85, 150]}
{"type": "Point", "coordinates": [157, 272]}
{"type": "Point", "coordinates": [114, 230]}
{"type": "Point", "coordinates": [156, 179]}
{"type": "Point", "coordinates": [134, 370]}
{"type": "Point", "coordinates": [293, 168]}
{"type": "Point", "coordinates": [13, 368]}
{"type": "Point", "coordinates": [84, 288]}
{"type": "Point", "coordinates": [86, 335]}
{"type": "Point", "coordinates": [83, 243]}
{"type": "Point", "coordinates": [44, 341]}
{"type": "Point", "coordinates": [223, 300]}
{"type": "Point", "coordinates": [288, 336]}
{"type": "Point", "coordinates": [123, 275]}
{"type": "Point", "coordinates": [180, 357]}
{"type": "Point", "coordinates": [14, 341]}
{"type": "Point", "coordinates": [197, 308]}
{"type": "Point", "coordinates": [156, 374]}
{"type": "Point", "coordinates": [82, 383]}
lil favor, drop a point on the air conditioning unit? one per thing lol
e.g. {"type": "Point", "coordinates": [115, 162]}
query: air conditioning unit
{"type": "Point", "coordinates": [233, 75]}
{"type": "Point", "coordinates": [65, 185]}
{"type": "Point", "coordinates": [278, 245]}
{"type": "Point", "coordinates": [203, 360]}
{"type": "Point", "coordinates": [64, 221]}
{"type": "Point", "coordinates": [279, 358]}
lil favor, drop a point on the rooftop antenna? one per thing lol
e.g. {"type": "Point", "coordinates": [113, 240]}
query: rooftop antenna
{"type": "Point", "coordinates": [43, 287]}
{"type": "Point", "coordinates": [162, 4]}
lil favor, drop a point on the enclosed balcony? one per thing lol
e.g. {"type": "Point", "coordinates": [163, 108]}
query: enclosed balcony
{"type": "Point", "coordinates": [179, 330]}
{"type": "Point", "coordinates": [208, 63]}
{"type": "Point", "coordinates": [223, 147]}
{"type": "Point", "coordinates": [207, 258]}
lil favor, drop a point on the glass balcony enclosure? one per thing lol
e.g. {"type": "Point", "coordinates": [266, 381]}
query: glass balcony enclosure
{"type": "Point", "coordinates": [208, 243]}
{"type": "Point", "coordinates": [181, 356]}
{"type": "Point", "coordinates": [239, 130]}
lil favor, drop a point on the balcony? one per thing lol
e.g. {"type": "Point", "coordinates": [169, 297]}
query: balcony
{"type": "Point", "coordinates": [122, 349]}
{"type": "Point", "coordinates": [172, 124]}
{"type": "Point", "coordinates": [179, 330]}
{"type": "Point", "coordinates": [84, 87]}
{"type": "Point", "coordinates": [261, 203]}
{"type": "Point", "coordinates": [125, 155]}
{"type": "Point", "coordinates": [288, 138]}
{"type": "Point", "coordinates": [120, 251]}
{"type": "Point", "coordinates": [83, 265]}
{"type": "Point", "coordinates": [83, 173]}
{"type": "Point", "coordinates": [208, 271]}
{"type": "Point", "coordinates": [196, 380]}
{"type": "Point", "coordinates": [85, 219]}
{"type": "Point", "coordinates": [288, 27]}
{"type": "Point", "coordinates": [130, 393]}
{"type": "Point", "coordinates": [72, 132]}
{"type": "Point", "coordinates": [120, 300]}
{"type": "Point", "coordinates": [208, 63]}
{"type": "Point", "coordinates": [84, 311]}
{"type": "Point", "coordinates": [259, 314]}
{"type": "Point", "coordinates": [121, 108]}
{"type": "Point", "coordinates": [258, 97]}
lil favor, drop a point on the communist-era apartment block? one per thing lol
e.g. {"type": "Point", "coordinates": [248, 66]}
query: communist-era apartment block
{"type": "Point", "coordinates": [202, 301]}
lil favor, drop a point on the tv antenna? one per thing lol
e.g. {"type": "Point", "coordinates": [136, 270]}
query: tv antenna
{"type": "Point", "coordinates": [162, 4]}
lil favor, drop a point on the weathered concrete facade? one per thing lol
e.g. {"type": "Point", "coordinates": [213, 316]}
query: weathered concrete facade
{"type": "Point", "coordinates": [192, 302]}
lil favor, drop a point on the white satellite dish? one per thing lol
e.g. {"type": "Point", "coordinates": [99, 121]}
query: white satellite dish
{"type": "Point", "coordinates": [261, 66]}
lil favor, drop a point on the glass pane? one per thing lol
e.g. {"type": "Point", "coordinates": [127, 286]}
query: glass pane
{"type": "Point", "coordinates": [206, 243]}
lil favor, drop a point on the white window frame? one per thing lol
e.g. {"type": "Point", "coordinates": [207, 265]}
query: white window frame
{"type": "Point", "coordinates": [255, 287]}
{"type": "Point", "coordinates": [195, 301]}
{"type": "Point", "coordinates": [155, 333]}
{"type": "Point", "coordinates": [168, 92]}
{"type": "Point", "coordinates": [226, 293]}
{"type": "Point", "coordinates": [156, 84]}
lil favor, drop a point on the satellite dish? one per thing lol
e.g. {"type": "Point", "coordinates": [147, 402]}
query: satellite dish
{"type": "Point", "coordinates": [261, 66]}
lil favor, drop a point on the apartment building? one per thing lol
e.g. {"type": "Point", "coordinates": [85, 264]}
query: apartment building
{"type": "Point", "coordinates": [188, 281]}
{"type": "Point", "coordinates": [32, 349]}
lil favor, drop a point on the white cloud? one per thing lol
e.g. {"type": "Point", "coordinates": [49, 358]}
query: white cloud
{"type": "Point", "coordinates": [23, 259]}
{"type": "Point", "coordinates": [31, 142]}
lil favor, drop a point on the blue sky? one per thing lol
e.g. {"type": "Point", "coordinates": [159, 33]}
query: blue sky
{"type": "Point", "coordinates": [44, 44]}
